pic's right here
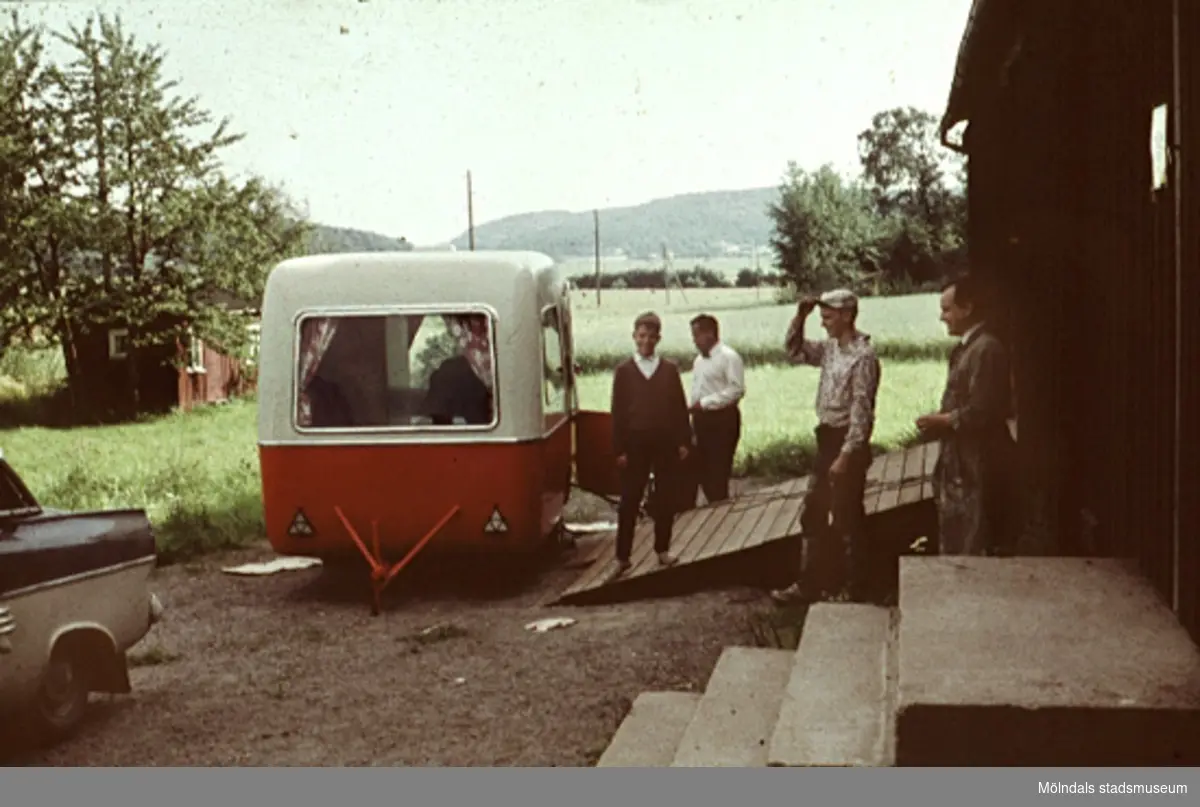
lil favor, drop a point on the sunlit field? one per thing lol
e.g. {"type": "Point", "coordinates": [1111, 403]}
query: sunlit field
{"type": "Point", "coordinates": [904, 328]}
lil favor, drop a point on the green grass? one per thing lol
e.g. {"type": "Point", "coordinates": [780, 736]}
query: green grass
{"type": "Point", "coordinates": [778, 416]}
{"type": "Point", "coordinates": [902, 328]}
{"type": "Point", "coordinates": [197, 474]}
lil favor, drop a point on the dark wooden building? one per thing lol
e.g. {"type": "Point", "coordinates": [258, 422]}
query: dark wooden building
{"type": "Point", "coordinates": [1095, 258]}
{"type": "Point", "coordinates": [177, 373]}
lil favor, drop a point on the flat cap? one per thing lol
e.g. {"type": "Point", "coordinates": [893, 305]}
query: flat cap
{"type": "Point", "coordinates": [838, 299]}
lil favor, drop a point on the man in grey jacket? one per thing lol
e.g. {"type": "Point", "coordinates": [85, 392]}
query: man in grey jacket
{"type": "Point", "coordinates": [973, 479]}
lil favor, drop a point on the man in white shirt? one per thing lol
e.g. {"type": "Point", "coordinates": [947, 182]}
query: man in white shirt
{"type": "Point", "coordinates": [718, 386]}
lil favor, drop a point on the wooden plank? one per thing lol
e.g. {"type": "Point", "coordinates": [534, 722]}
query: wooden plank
{"type": "Point", "coordinates": [875, 470]}
{"type": "Point", "coordinates": [914, 474]}
{"type": "Point", "coordinates": [721, 513]}
{"type": "Point", "coordinates": [741, 538]}
{"type": "Point", "coordinates": [595, 576]}
{"type": "Point", "coordinates": [786, 521]}
{"type": "Point", "coordinates": [911, 492]}
{"type": "Point", "coordinates": [598, 568]}
{"type": "Point", "coordinates": [734, 530]}
{"type": "Point", "coordinates": [768, 514]}
{"type": "Point", "coordinates": [889, 496]}
{"type": "Point", "coordinates": [762, 530]}
{"type": "Point", "coordinates": [875, 483]}
{"type": "Point", "coordinates": [914, 462]}
{"type": "Point", "coordinates": [931, 456]}
{"type": "Point", "coordinates": [644, 558]}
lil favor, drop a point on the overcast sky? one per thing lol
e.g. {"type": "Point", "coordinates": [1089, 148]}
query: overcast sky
{"type": "Point", "coordinates": [371, 112]}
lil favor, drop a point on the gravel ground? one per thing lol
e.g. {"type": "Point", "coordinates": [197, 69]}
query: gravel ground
{"type": "Point", "coordinates": [292, 669]}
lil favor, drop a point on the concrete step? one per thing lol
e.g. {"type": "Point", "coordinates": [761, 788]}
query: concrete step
{"type": "Point", "coordinates": [736, 715]}
{"type": "Point", "coordinates": [649, 735]}
{"type": "Point", "coordinates": [1042, 661]}
{"type": "Point", "coordinates": [835, 709]}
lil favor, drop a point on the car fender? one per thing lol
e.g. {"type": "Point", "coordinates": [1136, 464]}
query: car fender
{"type": "Point", "coordinates": [107, 669]}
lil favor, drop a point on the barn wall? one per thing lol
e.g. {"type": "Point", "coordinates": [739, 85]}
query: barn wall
{"type": "Point", "coordinates": [105, 382]}
{"type": "Point", "coordinates": [224, 378]}
{"type": "Point", "coordinates": [1189, 554]}
{"type": "Point", "coordinates": [1063, 219]}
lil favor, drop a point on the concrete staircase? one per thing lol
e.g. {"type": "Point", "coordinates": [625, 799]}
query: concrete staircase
{"type": "Point", "coordinates": [986, 661]}
{"type": "Point", "coordinates": [826, 703]}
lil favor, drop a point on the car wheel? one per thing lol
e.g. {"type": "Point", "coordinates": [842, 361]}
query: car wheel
{"type": "Point", "coordinates": [62, 698]}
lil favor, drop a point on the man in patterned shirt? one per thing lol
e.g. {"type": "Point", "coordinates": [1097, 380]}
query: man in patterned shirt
{"type": "Point", "coordinates": [845, 420]}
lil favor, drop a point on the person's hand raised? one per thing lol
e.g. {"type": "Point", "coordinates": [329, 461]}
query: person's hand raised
{"type": "Point", "coordinates": [805, 306]}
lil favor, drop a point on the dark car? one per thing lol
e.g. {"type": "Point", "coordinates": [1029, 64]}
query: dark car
{"type": "Point", "coordinates": [74, 598]}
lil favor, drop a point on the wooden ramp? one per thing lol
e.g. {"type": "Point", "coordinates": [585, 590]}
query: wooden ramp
{"type": "Point", "coordinates": [896, 483]}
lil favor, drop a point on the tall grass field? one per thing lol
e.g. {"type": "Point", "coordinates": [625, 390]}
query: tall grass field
{"type": "Point", "coordinates": [197, 474]}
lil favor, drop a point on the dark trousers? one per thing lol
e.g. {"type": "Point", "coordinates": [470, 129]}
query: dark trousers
{"type": "Point", "coordinates": [841, 543]}
{"type": "Point", "coordinates": [648, 452]}
{"type": "Point", "coordinates": [717, 434]}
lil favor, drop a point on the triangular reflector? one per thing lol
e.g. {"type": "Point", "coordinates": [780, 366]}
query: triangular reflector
{"type": "Point", "coordinates": [496, 523]}
{"type": "Point", "coordinates": [300, 525]}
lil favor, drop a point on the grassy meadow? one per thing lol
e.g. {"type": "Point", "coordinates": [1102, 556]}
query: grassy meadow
{"type": "Point", "coordinates": [197, 474]}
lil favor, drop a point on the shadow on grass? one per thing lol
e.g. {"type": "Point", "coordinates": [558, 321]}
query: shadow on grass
{"type": "Point", "coordinates": [888, 350]}
{"type": "Point", "coordinates": [191, 531]}
{"type": "Point", "coordinates": [52, 408]}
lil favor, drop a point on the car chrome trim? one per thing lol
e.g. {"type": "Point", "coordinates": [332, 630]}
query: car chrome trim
{"type": "Point", "coordinates": [75, 578]}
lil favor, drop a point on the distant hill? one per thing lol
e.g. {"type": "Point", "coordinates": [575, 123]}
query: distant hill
{"type": "Point", "coordinates": [711, 223]}
{"type": "Point", "coordinates": [326, 239]}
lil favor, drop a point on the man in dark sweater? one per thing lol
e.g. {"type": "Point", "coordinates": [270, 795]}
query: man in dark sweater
{"type": "Point", "coordinates": [651, 434]}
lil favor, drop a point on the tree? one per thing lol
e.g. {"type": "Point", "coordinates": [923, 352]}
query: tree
{"type": "Point", "coordinates": [911, 178]}
{"type": "Point", "coordinates": [125, 216]}
{"type": "Point", "coordinates": [38, 223]}
{"type": "Point", "coordinates": [824, 230]}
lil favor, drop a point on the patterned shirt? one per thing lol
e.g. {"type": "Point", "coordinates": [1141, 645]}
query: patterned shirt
{"type": "Point", "coordinates": [849, 382]}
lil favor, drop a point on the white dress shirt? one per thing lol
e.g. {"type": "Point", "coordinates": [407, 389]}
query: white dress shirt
{"type": "Point", "coordinates": [646, 365]}
{"type": "Point", "coordinates": [718, 379]}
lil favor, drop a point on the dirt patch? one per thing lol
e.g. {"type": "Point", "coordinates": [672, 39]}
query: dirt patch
{"type": "Point", "coordinates": [292, 669]}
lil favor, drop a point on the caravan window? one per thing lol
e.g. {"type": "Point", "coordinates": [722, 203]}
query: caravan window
{"type": "Point", "coordinates": [396, 371]}
{"type": "Point", "coordinates": [554, 371]}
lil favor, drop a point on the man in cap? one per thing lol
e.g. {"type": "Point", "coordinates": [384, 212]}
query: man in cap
{"type": "Point", "coordinates": [845, 407]}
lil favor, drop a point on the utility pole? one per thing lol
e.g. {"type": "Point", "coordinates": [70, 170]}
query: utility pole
{"type": "Point", "coordinates": [757, 275]}
{"type": "Point", "coordinates": [596, 238]}
{"type": "Point", "coordinates": [470, 213]}
{"type": "Point", "coordinates": [670, 275]}
{"type": "Point", "coordinates": [666, 273]}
